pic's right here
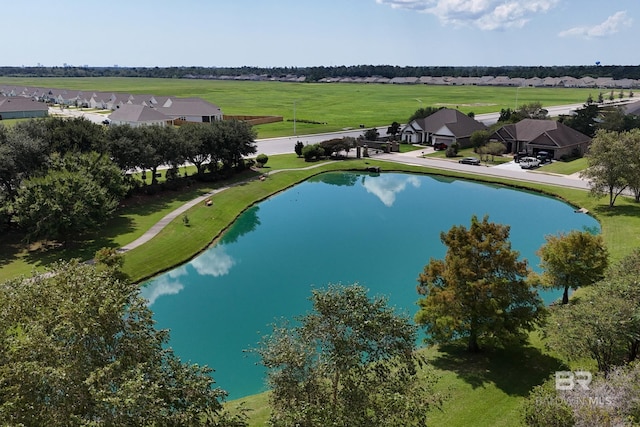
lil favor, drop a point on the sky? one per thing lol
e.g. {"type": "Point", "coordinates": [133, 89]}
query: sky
{"type": "Point", "coordinates": [304, 33]}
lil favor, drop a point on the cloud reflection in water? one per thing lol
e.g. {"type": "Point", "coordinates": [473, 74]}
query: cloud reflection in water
{"type": "Point", "coordinates": [167, 284]}
{"type": "Point", "coordinates": [385, 187]}
{"type": "Point", "coordinates": [214, 262]}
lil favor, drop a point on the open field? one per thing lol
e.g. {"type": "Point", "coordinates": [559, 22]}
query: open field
{"type": "Point", "coordinates": [339, 105]}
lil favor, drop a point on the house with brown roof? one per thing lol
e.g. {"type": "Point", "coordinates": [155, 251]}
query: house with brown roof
{"type": "Point", "coordinates": [532, 136]}
{"type": "Point", "coordinates": [17, 107]}
{"type": "Point", "coordinates": [445, 126]}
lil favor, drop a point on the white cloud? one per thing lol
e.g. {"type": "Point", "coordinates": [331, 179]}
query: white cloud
{"type": "Point", "coordinates": [611, 25]}
{"type": "Point", "coordinates": [385, 187]}
{"type": "Point", "coordinates": [483, 14]}
{"type": "Point", "coordinates": [213, 262]}
{"type": "Point", "coordinates": [167, 284]}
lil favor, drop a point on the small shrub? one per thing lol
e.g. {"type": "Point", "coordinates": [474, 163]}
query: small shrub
{"type": "Point", "coordinates": [262, 159]}
{"type": "Point", "coordinates": [312, 151]}
{"type": "Point", "coordinates": [451, 151]}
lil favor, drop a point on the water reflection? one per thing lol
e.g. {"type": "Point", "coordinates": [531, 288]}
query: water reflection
{"type": "Point", "coordinates": [167, 284]}
{"type": "Point", "coordinates": [214, 262]}
{"type": "Point", "coordinates": [245, 224]}
{"type": "Point", "coordinates": [340, 179]}
{"type": "Point", "coordinates": [386, 187]}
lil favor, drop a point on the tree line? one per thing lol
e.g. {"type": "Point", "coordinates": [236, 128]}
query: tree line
{"type": "Point", "coordinates": [60, 177]}
{"type": "Point", "coordinates": [320, 72]}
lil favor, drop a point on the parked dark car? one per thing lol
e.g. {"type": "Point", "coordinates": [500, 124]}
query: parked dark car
{"type": "Point", "coordinates": [470, 161]}
{"type": "Point", "coordinates": [440, 146]}
{"type": "Point", "coordinates": [544, 156]}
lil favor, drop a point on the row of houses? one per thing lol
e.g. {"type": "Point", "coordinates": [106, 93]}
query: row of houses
{"type": "Point", "coordinates": [448, 126]}
{"type": "Point", "coordinates": [551, 82]}
{"type": "Point", "coordinates": [556, 82]}
{"type": "Point", "coordinates": [133, 109]}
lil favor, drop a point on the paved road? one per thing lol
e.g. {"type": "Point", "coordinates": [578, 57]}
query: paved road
{"type": "Point", "coordinates": [286, 144]}
{"type": "Point", "coordinates": [510, 171]}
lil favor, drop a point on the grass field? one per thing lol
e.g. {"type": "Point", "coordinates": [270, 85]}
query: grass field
{"type": "Point", "coordinates": [339, 105]}
{"type": "Point", "coordinates": [565, 168]}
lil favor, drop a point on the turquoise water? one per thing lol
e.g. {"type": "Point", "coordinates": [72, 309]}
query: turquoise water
{"type": "Point", "coordinates": [377, 230]}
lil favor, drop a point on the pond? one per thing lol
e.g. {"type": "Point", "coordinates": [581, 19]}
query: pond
{"type": "Point", "coordinates": [375, 229]}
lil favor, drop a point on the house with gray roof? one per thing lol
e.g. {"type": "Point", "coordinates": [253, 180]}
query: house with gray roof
{"type": "Point", "coordinates": [446, 126]}
{"type": "Point", "coordinates": [532, 136]}
{"type": "Point", "coordinates": [138, 115]}
{"type": "Point", "coordinates": [17, 107]}
{"type": "Point", "coordinates": [191, 110]}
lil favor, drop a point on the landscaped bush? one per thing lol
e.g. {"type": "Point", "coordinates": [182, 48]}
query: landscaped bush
{"type": "Point", "coordinates": [312, 151]}
{"type": "Point", "coordinates": [452, 151]}
{"type": "Point", "coordinates": [262, 159]}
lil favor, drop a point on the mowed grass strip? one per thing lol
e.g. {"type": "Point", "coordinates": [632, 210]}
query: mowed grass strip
{"type": "Point", "coordinates": [566, 168]}
{"type": "Point", "coordinates": [334, 106]}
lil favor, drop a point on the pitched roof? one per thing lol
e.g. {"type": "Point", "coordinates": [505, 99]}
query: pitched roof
{"type": "Point", "coordinates": [137, 113]}
{"type": "Point", "coordinates": [542, 132]}
{"type": "Point", "coordinates": [458, 123]}
{"type": "Point", "coordinates": [179, 107]}
{"type": "Point", "coordinates": [15, 103]}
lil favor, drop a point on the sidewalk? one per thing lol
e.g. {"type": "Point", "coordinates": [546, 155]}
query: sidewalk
{"type": "Point", "coordinates": [158, 226]}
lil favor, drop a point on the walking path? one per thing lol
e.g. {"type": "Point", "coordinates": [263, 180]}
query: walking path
{"type": "Point", "coordinates": [409, 158]}
{"type": "Point", "coordinates": [158, 226]}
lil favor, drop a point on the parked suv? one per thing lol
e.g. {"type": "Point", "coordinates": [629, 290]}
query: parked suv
{"type": "Point", "coordinates": [529, 162]}
{"type": "Point", "coordinates": [544, 156]}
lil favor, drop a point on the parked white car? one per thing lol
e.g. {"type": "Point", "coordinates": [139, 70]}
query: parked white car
{"type": "Point", "coordinates": [529, 162]}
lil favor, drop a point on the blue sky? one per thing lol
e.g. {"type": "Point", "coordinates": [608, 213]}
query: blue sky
{"type": "Point", "coordinates": [304, 33]}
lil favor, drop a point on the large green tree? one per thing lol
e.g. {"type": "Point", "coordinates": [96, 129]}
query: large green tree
{"type": "Point", "coordinates": [77, 194]}
{"type": "Point", "coordinates": [604, 323]}
{"type": "Point", "coordinates": [78, 347]}
{"type": "Point", "coordinates": [479, 292]}
{"type": "Point", "coordinates": [197, 142]}
{"type": "Point", "coordinates": [584, 120]}
{"type": "Point", "coordinates": [572, 260]}
{"type": "Point", "coordinates": [236, 139]}
{"type": "Point", "coordinates": [350, 362]}
{"type": "Point", "coordinates": [423, 112]}
{"type": "Point", "coordinates": [631, 141]}
{"type": "Point", "coordinates": [608, 165]}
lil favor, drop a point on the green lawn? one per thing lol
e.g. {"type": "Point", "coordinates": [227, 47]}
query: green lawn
{"type": "Point", "coordinates": [483, 390]}
{"type": "Point", "coordinates": [565, 168]}
{"type": "Point", "coordinates": [337, 106]}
